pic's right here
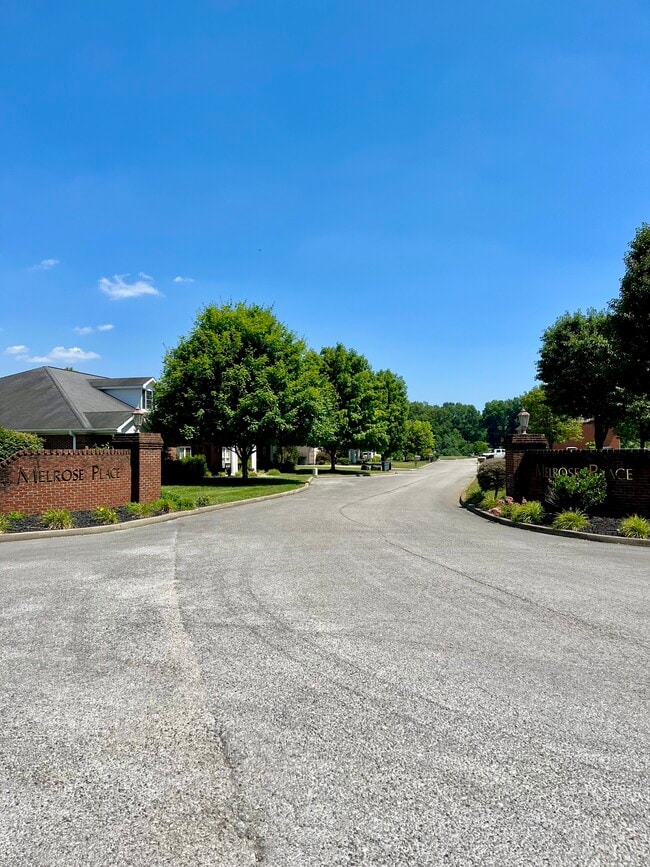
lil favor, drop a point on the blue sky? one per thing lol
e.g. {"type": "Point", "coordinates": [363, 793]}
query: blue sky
{"type": "Point", "coordinates": [429, 183]}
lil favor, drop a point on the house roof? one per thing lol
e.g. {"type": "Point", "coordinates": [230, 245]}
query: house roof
{"type": "Point", "coordinates": [52, 399]}
{"type": "Point", "coordinates": [122, 382]}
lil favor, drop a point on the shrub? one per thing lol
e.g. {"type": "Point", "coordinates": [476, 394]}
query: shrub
{"type": "Point", "coordinates": [634, 527]}
{"type": "Point", "coordinates": [12, 441]}
{"type": "Point", "coordinates": [526, 513]}
{"type": "Point", "coordinates": [16, 516]}
{"type": "Point", "coordinates": [490, 501]}
{"type": "Point", "coordinates": [164, 505]}
{"type": "Point", "coordinates": [104, 515]}
{"type": "Point", "coordinates": [345, 462]}
{"type": "Point", "coordinates": [202, 500]}
{"type": "Point", "coordinates": [474, 497]}
{"type": "Point", "coordinates": [5, 523]}
{"type": "Point", "coordinates": [195, 467]}
{"type": "Point", "coordinates": [57, 519]}
{"type": "Point", "coordinates": [571, 520]}
{"type": "Point", "coordinates": [582, 492]}
{"type": "Point", "coordinates": [323, 458]}
{"type": "Point", "coordinates": [184, 504]}
{"type": "Point", "coordinates": [137, 510]}
{"type": "Point", "coordinates": [186, 471]}
{"type": "Point", "coordinates": [273, 472]}
{"type": "Point", "coordinates": [491, 475]}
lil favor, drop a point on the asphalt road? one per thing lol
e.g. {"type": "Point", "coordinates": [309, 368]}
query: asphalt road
{"type": "Point", "coordinates": [362, 674]}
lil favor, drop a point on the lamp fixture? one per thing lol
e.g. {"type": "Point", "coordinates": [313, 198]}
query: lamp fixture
{"type": "Point", "coordinates": [523, 418]}
{"type": "Point", "coordinates": [138, 418]}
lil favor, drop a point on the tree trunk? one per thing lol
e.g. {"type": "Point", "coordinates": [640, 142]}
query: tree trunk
{"type": "Point", "coordinates": [333, 460]}
{"type": "Point", "coordinates": [600, 432]}
{"type": "Point", "coordinates": [243, 454]}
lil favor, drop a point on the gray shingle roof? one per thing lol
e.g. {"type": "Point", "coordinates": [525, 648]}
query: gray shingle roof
{"type": "Point", "coordinates": [49, 399]}
{"type": "Point", "coordinates": [121, 382]}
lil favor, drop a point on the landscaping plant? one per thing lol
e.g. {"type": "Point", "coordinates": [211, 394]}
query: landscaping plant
{"type": "Point", "coordinates": [491, 475]}
{"type": "Point", "coordinates": [4, 524]}
{"type": "Point", "coordinates": [572, 519]}
{"type": "Point", "coordinates": [582, 492]}
{"type": "Point", "coordinates": [490, 501]}
{"type": "Point", "coordinates": [635, 527]}
{"type": "Point", "coordinates": [527, 513]}
{"type": "Point", "coordinates": [164, 505]}
{"type": "Point", "coordinates": [57, 519]}
{"type": "Point", "coordinates": [137, 510]}
{"type": "Point", "coordinates": [104, 515]}
{"type": "Point", "coordinates": [16, 516]}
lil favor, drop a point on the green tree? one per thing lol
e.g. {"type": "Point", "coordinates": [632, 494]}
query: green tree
{"type": "Point", "coordinates": [556, 428]}
{"type": "Point", "coordinates": [634, 428]}
{"type": "Point", "coordinates": [466, 419]}
{"type": "Point", "coordinates": [577, 364]}
{"type": "Point", "coordinates": [499, 419]}
{"type": "Point", "coordinates": [455, 426]}
{"type": "Point", "coordinates": [392, 412]}
{"type": "Point", "coordinates": [630, 319]}
{"type": "Point", "coordinates": [351, 394]}
{"type": "Point", "coordinates": [240, 377]}
{"type": "Point", "coordinates": [12, 441]}
{"type": "Point", "coordinates": [418, 438]}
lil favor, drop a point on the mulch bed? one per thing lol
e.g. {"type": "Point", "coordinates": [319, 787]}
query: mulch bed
{"type": "Point", "coordinates": [84, 518]}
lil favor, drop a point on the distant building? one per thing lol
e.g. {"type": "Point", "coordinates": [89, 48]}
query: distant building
{"type": "Point", "coordinates": [72, 410]}
{"type": "Point", "coordinates": [612, 440]}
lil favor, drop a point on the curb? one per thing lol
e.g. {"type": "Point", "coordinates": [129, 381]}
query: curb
{"type": "Point", "coordinates": [551, 531]}
{"type": "Point", "coordinates": [143, 522]}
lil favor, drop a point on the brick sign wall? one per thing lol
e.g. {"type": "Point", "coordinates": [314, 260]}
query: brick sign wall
{"type": "Point", "coordinates": [85, 479]}
{"type": "Point", "coordinates": [627, 472]}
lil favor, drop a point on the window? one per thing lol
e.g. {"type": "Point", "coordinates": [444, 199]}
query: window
{"type": "Point", "coordinates": [183, 452]}
{"type": "Point", "coordinates": [147, 399]}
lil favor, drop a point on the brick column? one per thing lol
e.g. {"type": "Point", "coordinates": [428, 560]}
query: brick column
{"type": "Point", "coordinates": [516, 447]}
{"type": "Point", "coordinates": [146, 463]}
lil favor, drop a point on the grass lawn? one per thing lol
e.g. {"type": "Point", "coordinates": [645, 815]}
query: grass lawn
{"type": "Point", "coordinates": [408, 465]}
{"type": "Point", "coordinates": [227, 490]}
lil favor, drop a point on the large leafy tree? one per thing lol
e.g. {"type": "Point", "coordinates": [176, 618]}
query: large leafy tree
{"type": "Point", "coordinates": [240, 377]}
{"type": "Point", "coordinates": [630, 319]}
{"type": "Point", "coordinates": [556, 428]}
{"type": "Point", "coordinates": [392, 412]}
{"type": "Point", "coordinates": [456, 426]}
{"type": "Point", "coordinates": [352, 396]}
{"type": "Point", "coordinates": [419, 439]}
{"type": "Point", "coordinates": [499, 419]}
{"type": "Point", "coordinates": [578, 366]}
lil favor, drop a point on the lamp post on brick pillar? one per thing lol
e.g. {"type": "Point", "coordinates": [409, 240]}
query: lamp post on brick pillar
{"type": "Point", "coordinates": [516, 447]}
{"type": "Point", "coordinates": [146, 460]}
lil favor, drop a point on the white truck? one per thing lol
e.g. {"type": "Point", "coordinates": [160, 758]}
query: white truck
{"type": "Point", "coordinates": [495, 453]}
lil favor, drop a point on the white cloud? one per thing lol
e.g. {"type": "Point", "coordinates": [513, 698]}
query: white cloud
{"type": "Point", "coordinates": [118, 288]}
{"type": "Point", "coordinates": [45, 265]}
{"type": "Point", "coordinates": [19, 349]}
{"type": "Point", "coordinates": [60, 353]}
{"type": "Point", "coordinates": [90, 329]}
{"type": "Point", "coordinates": [146, 277]}
{"type": "Point", "coordinates": [180, 279]}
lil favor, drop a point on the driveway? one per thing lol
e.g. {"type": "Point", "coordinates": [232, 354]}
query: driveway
{"type": "Point", "coordinates": [362, 674]}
